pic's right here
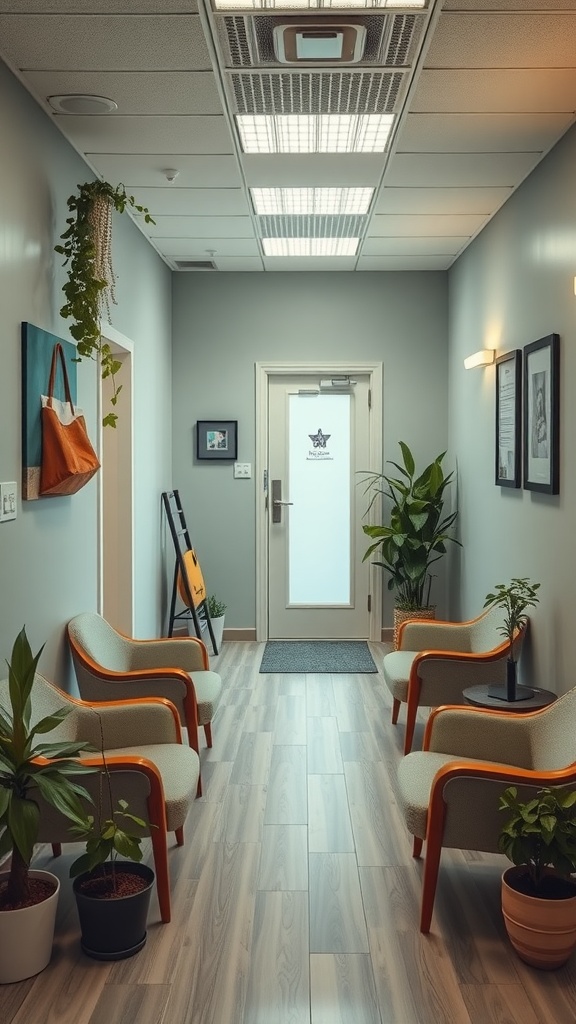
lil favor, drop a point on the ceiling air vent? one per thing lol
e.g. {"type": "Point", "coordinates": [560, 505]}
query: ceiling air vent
{"type": "Point", "coordinates": [309, 92]}
{"type": "Point", "coordinates": [195, 265]}
{"type": "Point", "coordinates": [326, 41]}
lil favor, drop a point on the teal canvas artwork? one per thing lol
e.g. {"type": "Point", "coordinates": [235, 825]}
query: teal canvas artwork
{"type": "Point", "coordinates": [37, 349]}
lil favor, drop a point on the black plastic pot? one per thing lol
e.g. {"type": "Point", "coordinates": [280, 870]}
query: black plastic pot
{"type": "Point", "coordinates": [113, 929]}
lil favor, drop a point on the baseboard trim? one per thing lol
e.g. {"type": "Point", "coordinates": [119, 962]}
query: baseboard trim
{"type": "Point", "coordinates": [240, 634]}
{"type": "Point", "coordinates": [387, 634]}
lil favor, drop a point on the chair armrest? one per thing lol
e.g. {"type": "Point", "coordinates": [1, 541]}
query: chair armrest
{"type": "Point", "coordinates": [188, 653]}
{"type": "Point", "coordinates": [421, 635]}
{"type": "Point", "coordinates": [486, 735]}
{"type": "Point", "coordinates": [127, 723]}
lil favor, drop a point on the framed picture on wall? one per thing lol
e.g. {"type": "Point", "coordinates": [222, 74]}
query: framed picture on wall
{"type": "Point", "coordinates": [216, 439]}
{"type": "Point", "coordinates": [542, 415]}
{"type": "Point", "coordinates": [508, 419]}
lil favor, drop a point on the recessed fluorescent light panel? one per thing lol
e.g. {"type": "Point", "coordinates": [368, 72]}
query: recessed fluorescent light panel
{"type": "Point", "coordinates": [310, 246]}
{"type": "Point", "coordinates": [311, 200]}
{"type": "Point", "coordinates": [313, 5]}
{"type": "Point", "coordinates": [314, 133]}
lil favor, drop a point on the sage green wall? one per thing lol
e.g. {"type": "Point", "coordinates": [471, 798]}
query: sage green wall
{"type": "Point", "coordinates": [48, 556]}
{"type": "Point", "coordinates": [513, 285]}
{"type": "Point", "coordinates": [225, 323]}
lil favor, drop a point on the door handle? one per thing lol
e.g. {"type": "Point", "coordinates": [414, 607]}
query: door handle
{"type": "Point", "coordinates": [277, 502]}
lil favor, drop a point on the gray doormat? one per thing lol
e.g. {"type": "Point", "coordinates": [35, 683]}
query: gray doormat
{"type": "Point", "coordinates": [317, 656]}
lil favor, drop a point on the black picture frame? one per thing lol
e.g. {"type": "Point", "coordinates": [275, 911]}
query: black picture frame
{"type": "Point", "coordinates": [217, 439]}
{"type": "Point", "coordinates": [542, 415]}
{"type": "Point", "coordinates": [508, 453]}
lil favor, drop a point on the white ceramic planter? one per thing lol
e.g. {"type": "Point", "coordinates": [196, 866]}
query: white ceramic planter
{"type": "Point", "coordinates": [27, 935]}
{"type": "Point", "coordinates": [218, 629]}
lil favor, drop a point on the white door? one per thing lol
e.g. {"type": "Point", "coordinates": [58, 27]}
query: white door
{"type": "Point", "coordinates": [318, 440]}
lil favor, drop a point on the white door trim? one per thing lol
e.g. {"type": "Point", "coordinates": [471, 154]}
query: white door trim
{"type": "Point", "coordinates": [119, 340]}
{"type": "Point", "coordinates": [263, 372]}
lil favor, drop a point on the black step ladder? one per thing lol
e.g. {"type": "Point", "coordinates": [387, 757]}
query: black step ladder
{"type": "Point", "coordinates": [197, 611]}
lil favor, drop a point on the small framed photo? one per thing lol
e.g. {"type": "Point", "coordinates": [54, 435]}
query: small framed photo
{"type": "Point", "coordinates": [508, 419]}
{"type": "Point", "coordinates": [216, 439]}
{"type": "Point", "coordinates": [542, 415]}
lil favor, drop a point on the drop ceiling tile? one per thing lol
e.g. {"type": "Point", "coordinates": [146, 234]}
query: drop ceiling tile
{"type": "Point", "coordinates": [424, 225]}
{"type": "Point", "coordinates": [460, 169]}
{"type": "Point", "coordinates": [135, 92]}
{"type": "Point", "coordinates": [148, 170]}
{"type": "Point", "coordinates": [96, 6]}
{"type": "Point", "coordinates": [201, 227]}
{"type": "Point", "coordinates": [193, 202]}
{"type": "Point", "coordinates": [239, 263]}
{"type": "Point", "coordinates": [102, 134]}
{"type": "Point", "coordinates": [184, 248]}
{"type": "Point", "coordinates": [304, 264]}
{"type": "Point", "coordinates": [386, 263]}
{"type": "Point", "coordinates": [433, 246]}
{"type": "Point", "coordinates": [313, 169]}
{"type": "Point", "coordinates": [519, 40]}
{"type": "Point", "coordinates": [509, 5]}
{"type": "Point", "coordinates": [481, 133]}
{"type": "Point", "coordinates": [105, 43]}
{"type": "Point", "coordinates": [496, 91]}
{"type": "Point", "coordinates": [441, 200]}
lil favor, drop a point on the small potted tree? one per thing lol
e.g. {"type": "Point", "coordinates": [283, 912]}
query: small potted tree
{"type": "Point", "coordinates": [538, 893]}
{"type": "Point", "coordinates": [514, 598]}
{"type": "Point", "coordinates": [416, 535]}
{"type": "Point", "coordinates": [29, 767]}
{"type": "Point", "coordinates": [112, 895]}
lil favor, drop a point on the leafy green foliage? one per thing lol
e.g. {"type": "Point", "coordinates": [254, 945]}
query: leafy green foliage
{"type": "Point", "coordinates": [216, 608]}
{"type": "Point", "coordinates": [541, 833]}
{"type": "Point", "coordinates": [515, 598]}
{"type": "Point", "coordinates": [418, 530]}
{"type": "Point", "coordinates": [107, 839]}
{"type": "Point", "coordinates": [21, 773]}
{"type": "Point", "coordinates": [85, 288]}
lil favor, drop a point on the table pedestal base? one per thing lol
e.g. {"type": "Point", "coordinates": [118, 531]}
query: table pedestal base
{"type": "Point", "coordinates": [501, 693]}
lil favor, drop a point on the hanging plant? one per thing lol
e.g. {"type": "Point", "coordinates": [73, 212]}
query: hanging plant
{"type": "Point", "coordinates": [89, 290]}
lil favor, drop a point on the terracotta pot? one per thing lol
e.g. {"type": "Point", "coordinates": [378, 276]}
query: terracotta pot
{"type": "Point", "coordinates": [542, 931]}
{"type": "Point", "coordinates": [26, 935]}
{"type": "Point", "coordinates": [401, 616]}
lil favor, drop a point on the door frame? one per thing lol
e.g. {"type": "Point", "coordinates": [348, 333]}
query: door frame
{"type": "Point", "coordinates": [265, 370]}
{"type": "Point", "coordinates": [124, 347]}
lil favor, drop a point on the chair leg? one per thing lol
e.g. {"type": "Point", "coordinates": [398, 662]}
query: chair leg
{"type": "Point", "coordinates": [208, 733]}
{"type": "Point", "coordinates": [417, 847]}
{"type": "Point", "coordinates": [395, 710]}
{"type": "Point", "coordinates": [159, 848]}
{"type": "Point", "coordinates": [179, 833]}
{"type": "Point", "coordinates": [56, 849]}
{"type": "Point", "coordinates": [431, 865]}
{"type": "Point", "coordinates": [199, 787]}
{"type": "Point", "coordinates": [411, 710]}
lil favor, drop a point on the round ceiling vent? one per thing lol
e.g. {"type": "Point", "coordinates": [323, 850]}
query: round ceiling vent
{"type": "Point", "coordinates": [82, 103]}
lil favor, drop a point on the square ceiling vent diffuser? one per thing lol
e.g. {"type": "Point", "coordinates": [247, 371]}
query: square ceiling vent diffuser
{"type": "Point", "coordinates": [326, 41]}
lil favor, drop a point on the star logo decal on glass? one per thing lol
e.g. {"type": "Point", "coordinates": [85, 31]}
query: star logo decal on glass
{"type": "Point", "coordinates": [319, 440]}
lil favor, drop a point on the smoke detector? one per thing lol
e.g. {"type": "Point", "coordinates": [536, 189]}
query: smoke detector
{"type": "Point", "coordinates": [326, 41]}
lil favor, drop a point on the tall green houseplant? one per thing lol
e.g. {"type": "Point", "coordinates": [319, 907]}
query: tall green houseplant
{"type": "Point", "coordinates": [89, 289]}
{"type": "Point", "coordinates": [418, 529]}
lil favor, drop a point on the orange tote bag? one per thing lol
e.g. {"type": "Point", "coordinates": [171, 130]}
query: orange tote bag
{"type": "Point", "coordinates": [68, 458]}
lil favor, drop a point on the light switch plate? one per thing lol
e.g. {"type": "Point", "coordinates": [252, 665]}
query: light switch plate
{"type": "Point", "coordinates": [242, 470]}
{"type": "Point", "coordinates": [8, 497]}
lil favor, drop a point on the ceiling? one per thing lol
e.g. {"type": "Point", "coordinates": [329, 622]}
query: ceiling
{"type": "Point", "coordinates": [479, 90]}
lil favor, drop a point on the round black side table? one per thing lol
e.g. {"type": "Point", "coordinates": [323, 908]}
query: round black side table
{"type": "Point", "coordinates": [479, 697]}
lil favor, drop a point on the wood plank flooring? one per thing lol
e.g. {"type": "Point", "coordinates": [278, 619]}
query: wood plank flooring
{"type": "Point", "coordinates": [295, 897]}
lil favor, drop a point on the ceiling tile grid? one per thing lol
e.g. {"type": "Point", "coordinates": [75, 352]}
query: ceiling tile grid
{"type": "Point", "coordinates": [478, 92]}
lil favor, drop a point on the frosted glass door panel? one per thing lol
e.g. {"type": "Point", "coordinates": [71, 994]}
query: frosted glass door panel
{"type": "Point", "coordinates": [319, 519]}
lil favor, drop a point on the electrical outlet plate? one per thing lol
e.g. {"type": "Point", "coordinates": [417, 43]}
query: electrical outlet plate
{"type": "Point", "coordinates": [8, 498]}
{"type": "Point", "coordinates": [242, 470]}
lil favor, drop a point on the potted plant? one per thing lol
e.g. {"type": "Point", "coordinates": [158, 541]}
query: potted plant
{"type": "Point", "coordinates": [89, 289]}
{"type": "Point", "coordinates": [417, 532]}
{"type": "Point", "coordinates": [28, 767]}
{"type": "Point", "coordinates": [216, 610]}
{"type": "Point", "coordinates": [514, 598]}
{"type": "Point", "coordinates": [538, 894]}
{"type": "Point", "coordinates": [112, 895]}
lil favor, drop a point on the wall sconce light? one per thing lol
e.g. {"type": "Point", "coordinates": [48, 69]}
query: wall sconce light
{"type": "Point", "coordinates": [482, 358]}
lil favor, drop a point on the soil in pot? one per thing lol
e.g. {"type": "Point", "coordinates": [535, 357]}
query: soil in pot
{"type": "Point", "coordinates": [113, 916]}
{"type": "Point", "coordinates": [40, 889]}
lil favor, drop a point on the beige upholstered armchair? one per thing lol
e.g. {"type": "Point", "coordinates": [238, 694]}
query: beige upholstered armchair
{"type": "Point", "coordinates": [449, 791]}
{"type": "Point", "coordinates": [436, 661]}
{"type": "Point", "coordinates": [149, 765]}
{"type": "Point", "coordinates": [110, 666]}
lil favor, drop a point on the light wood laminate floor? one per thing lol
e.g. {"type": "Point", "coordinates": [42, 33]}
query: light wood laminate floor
{"type": "Point", "coordinates": [295, 897]}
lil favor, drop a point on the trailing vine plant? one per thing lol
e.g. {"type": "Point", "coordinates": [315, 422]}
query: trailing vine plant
{"type": "Point", "coordinates": [89, 290]}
